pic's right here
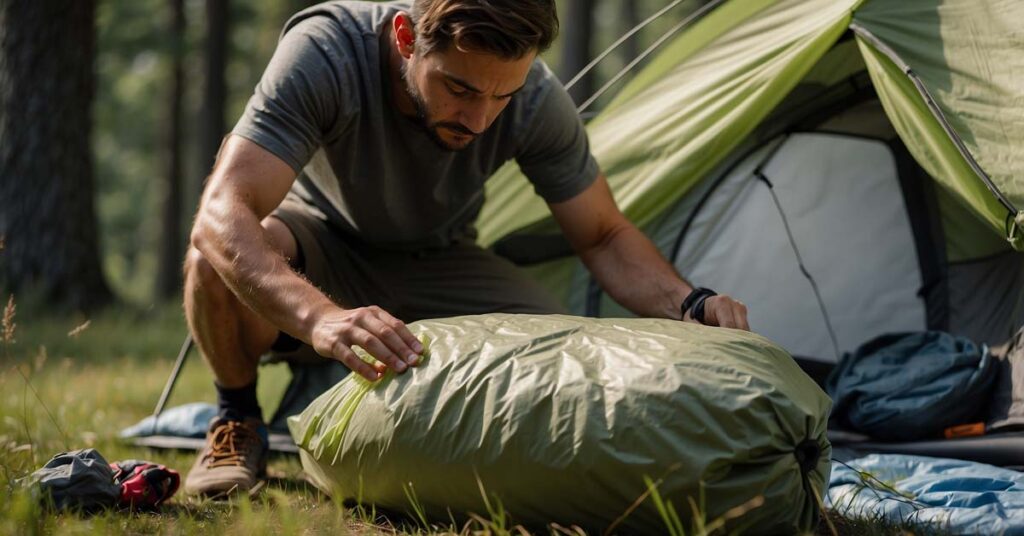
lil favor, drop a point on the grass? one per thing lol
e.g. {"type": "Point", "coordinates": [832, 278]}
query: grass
{"type": "Point", "coordinates": [71, 382]}
{"type": "Point", "coordinates": [107, 376]}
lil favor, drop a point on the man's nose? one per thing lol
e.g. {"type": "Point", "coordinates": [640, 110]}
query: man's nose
{"type": "Point", "coordinates": [476, 117]}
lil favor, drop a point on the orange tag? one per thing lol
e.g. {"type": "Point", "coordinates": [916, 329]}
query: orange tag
{"type": "Point", "coordinates": [965, 430]}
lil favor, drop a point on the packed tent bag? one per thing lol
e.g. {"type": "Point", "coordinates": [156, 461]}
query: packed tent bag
{"type": "Point", "coordinates": [572, 420]}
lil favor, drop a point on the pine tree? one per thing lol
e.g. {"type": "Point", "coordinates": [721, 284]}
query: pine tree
{"type": "Point", "coordinates": [47, 213]}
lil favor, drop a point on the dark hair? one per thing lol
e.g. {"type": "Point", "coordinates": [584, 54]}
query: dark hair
{"type": "Point", "coordinates": [509, 29]}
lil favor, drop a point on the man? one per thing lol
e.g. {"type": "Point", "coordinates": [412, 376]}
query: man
{"type": "Point", "coordinates": [394, 116]}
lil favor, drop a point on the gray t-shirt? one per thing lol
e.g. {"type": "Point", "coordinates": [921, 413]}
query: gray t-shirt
{"type": "Point", "coordinates": [324, 107]}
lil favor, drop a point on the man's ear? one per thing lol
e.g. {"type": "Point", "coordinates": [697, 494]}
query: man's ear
{"type": "Point", "coordinates": [405, 35]}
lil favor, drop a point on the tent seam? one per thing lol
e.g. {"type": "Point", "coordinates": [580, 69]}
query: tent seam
{"type": "Point", "coordinates": [937, 113]}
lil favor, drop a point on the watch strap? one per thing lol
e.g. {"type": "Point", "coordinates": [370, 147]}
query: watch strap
{"type": "Point", "coordinates": [694, 303]}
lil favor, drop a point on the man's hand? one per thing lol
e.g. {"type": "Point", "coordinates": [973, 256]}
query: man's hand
{"type": "Point", "coordinates": [723, 311]}
{"type": "Point", "coordinates": [371, 328]}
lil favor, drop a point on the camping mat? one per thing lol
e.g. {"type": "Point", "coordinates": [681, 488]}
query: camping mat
{"type": "Point", "coordinates": [953, 496]}
{"type": "Point", "coordinates": [572, 420]}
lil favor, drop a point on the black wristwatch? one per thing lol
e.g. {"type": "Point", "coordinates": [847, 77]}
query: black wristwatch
{"type": "Point", "coordinates": [694, 303]}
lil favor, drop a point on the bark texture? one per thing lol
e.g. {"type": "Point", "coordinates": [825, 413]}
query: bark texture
{"type": "Point", "coordinates": [168, 280]}
{"type": "Point", "coordinates": [215, 88]}
{"type": "Point", "coordinates": [47, 212]}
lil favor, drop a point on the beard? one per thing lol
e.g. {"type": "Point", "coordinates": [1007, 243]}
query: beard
{"type": "Point", "coordinates": [422, 118]}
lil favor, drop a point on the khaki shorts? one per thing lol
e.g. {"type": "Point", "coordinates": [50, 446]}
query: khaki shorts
{"type": "Point", "coordinates": [462, 279]}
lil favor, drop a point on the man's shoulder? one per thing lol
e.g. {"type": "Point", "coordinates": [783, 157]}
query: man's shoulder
{"type": "Point", "coordinates": [540, 76]}
{"type": "Point", "coordinates": [352, 17]}
{"type": "Point", "coordinates": [540, 94]}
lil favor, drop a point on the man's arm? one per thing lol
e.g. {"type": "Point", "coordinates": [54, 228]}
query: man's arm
{"type": "Point", "coordinates": [247, 183]}
{"type": "Point", "coordinates": [627, 265]}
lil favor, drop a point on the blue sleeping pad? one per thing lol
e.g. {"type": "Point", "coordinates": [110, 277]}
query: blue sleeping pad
{"type": "Point", "coordinates": [956, 496]}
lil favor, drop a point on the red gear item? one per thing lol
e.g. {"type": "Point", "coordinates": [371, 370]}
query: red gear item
{"type": "Point", "coordinates": [144, 484]}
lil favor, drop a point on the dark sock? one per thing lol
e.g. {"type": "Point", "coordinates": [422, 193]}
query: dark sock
{"type": "Point", "coordinates": [238, 403]}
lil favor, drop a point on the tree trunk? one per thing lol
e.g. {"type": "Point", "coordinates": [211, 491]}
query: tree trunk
{"type": "Point", "coordinates": [577, 35]}
{"type": "Point", "coordinates": [48, 219]}
{"type": "Point", "coordinates": [168, 281]}
{"type": "Point", "coordinates": [215, 88]}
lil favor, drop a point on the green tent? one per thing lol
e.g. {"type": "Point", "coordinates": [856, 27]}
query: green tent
{"type": "Point", "coordinates": [876, 144]}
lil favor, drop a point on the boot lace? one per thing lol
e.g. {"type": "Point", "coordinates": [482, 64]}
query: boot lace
{"type": "Point", "coordinates": [231, 443]}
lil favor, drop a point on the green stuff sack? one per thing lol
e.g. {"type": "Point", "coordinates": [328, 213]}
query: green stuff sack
{"type": "Point", "coordinates": [572, 420]}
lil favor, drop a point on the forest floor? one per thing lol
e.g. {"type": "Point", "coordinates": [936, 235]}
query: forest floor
{"type": "Point", "coordinates": [68, 383]}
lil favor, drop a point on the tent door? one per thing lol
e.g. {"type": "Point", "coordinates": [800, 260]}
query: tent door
{"type": "Point", "coordinates": [842, 199]}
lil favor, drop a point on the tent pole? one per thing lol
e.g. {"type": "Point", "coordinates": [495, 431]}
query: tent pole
{"type": "Point", "coordinates": [629, 67]}
{"type": "Point", "coordinates": [186, 345]}
{"type": "Point", "coordinates": [590, 66]}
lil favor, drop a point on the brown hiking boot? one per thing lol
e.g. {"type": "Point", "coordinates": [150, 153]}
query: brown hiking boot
{"type": "Point", "coordinates": [234, 457]}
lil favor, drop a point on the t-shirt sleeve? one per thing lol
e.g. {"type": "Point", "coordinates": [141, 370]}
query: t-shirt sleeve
{"type": "Point", "coordinates": [555, 154]}
{"type": "Point", "coordinates": [304, 97]}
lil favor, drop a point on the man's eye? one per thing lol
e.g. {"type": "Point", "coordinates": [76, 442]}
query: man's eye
{"type": "Point", "coordinates": [457, 92]}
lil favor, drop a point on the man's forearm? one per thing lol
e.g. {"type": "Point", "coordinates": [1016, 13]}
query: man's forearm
{"type": "Point", "coordinates": [230, 237]}
{"type": "Point", "coordinates": [246, 185]}
{"type": "Point", "coordinates": [635, 274]}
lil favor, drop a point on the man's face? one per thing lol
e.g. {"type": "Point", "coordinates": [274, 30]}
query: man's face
{"type": "Point", "coordinates": [458, 94]}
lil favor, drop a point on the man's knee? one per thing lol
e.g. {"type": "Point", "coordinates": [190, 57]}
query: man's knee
{"type": "Point", "coordinates": [200, 274]}
{"type": "Point", "coordinates": [281, 239]}
{"type": "Point", "coordinates": [199, 270]}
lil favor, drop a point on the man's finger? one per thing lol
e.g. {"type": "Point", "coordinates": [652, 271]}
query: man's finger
{"type": "Point", "coordinates": [353, 362]}
{"type": "Point", "coordinates": [408, 337]}
{"type": "Point", "coordinates": [403, 331]}
{"type": "Point", "coordinates": [380, 351]}
{"type": "Point", "coordinates": [390, 335]}
{"type": "Point", "coordinates": [724, 313]}
{"type": "Point", "coordinates": [741, 316]}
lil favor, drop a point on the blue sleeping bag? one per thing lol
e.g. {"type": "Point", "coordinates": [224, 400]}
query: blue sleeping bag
{"type": "Point", "coordinates": [957, 496]}
{"type": "Point", "coordinates": [909, 386]}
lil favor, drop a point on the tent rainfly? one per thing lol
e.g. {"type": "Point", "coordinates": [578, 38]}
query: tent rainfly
{"type": "Point", "coordinates": [846, 168]}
